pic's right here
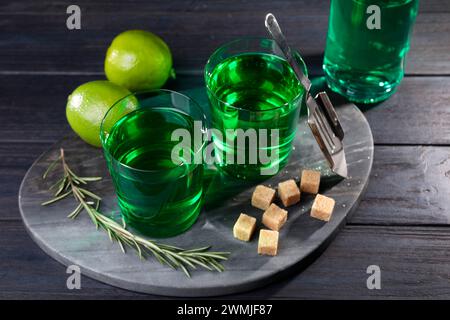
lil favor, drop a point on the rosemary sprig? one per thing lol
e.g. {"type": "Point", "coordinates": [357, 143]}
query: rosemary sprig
{"type": "Point", "coordinates": [174, 257]}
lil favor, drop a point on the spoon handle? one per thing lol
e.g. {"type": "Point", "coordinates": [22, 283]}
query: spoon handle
{"type": "Point", "coordinates": [275, 31]}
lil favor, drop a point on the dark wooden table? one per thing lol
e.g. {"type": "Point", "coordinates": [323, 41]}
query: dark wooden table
{"type": "Point", "coordinates": [402, 224]}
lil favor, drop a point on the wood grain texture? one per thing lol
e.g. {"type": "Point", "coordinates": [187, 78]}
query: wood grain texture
{"type": "Point", "coordinates": [419, 113]}
{"type": "Point", "coordinates": [26, 272]}
{"type": "Point", "coordinates": [41, 62]}
{"type": "Point", "coordinates": [15, 158]}
{"type": "Point", "coordinates": [39, 112]}
{"type": "Point", "coordinates": [413, 261]}
{"type": "Point", "coordinates": [36, 32]}
{"type": "Point", "coordinates": [409, 185]}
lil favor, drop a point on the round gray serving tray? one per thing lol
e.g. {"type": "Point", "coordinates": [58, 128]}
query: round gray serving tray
{"type": "Point", "coordinates": [302, 238]}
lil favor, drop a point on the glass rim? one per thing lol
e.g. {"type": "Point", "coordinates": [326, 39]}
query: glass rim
{"type": "Point", "coordinates": [229, 43]}
{"type": "Point", "coordinates": [168, 91]}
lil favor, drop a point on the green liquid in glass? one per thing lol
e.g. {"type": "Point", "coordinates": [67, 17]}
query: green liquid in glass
{"type": "Point", "coordinates": [366, 65]}
{"type": "Point", "coordinates": [258, 91]}
{"type": "Point", "coordinates": [156, 196]}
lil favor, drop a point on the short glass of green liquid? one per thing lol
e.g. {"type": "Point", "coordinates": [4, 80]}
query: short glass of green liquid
{"type": "Point", "coordinates": [366, 47]}
{"type": "Point", "coordinates": [255, 101]}
{"type": "Point", "coordinates": [159, 191]}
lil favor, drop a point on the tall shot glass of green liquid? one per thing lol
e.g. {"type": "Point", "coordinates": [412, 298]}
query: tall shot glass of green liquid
{"type": "Point", "coordinates": [366, 47]}
{"type": "Point", "coordinates": [159, 195]}
{"type": "Point", "coordinates": [255, 97]}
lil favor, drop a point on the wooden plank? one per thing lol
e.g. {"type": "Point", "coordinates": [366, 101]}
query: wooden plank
{"type": "Point", "coordinates": [430, 44]}
{"type": "Point", "coordinates": [15, 159]}
{"type": "Point", "coordinates": [413, 263]}
{"type": "Point", "coordinates": [409, 185]}
{"type": "Point", "coordinates": [35, 38]}
{"type": "Point", "coordinates": [38, 113]}
{"type": "Point", "coordinates": [419, 113]}
{"type": "Point", "coordinates": [304, 7]}
{"type": "Point", "coordinates": [26, 272]}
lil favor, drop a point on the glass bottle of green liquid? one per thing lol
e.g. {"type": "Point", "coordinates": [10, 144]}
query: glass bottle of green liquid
{"type": "Point", "coordinates": [366, 47]}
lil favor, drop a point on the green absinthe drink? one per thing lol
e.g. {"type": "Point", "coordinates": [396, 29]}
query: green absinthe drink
{"type": "Point", "coordinates": [366, 47]}
{"type": "Point", "coordinates": [255, 101]}
{"type": "Point", "coordinates": [158, 196]}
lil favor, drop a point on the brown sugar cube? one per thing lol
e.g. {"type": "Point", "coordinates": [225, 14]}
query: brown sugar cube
{"type": "Point", "coordinates": [288, 192]}
{"type": "Point", "coordinates": [262, 197]}
{"type": "Point", "coordinates": [322, 208]}
{"type": "Point", "coordinates": [244, 227]}
{"type": "Point", "coordinates": [268, 242]}
{"type": "Point", "coordinates": [310, 181]}
{"type": "Point", "coordinates": [274, 217]}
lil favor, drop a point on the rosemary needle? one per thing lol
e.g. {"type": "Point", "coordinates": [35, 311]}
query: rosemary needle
{"type": "Point", "coordinates": [174, 257]}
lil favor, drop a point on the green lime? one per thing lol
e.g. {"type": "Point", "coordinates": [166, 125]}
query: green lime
{"type": "Point", "coordinates": [138, 60]}
{"type": "Point", "coordinates": [88, 104]}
